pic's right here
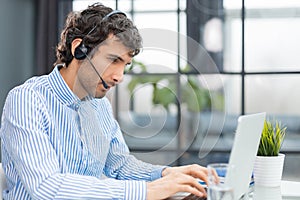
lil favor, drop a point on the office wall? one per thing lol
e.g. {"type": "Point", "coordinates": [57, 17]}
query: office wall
{"type": "Point", "coordinates": [17, 44]}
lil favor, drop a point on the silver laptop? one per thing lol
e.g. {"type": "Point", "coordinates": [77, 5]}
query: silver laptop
{"type": "Point", "coordinates": [243, 152]}
{"type": "Point", "coordinates": [242, 157]}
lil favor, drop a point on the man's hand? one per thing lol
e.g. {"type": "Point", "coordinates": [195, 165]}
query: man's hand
{"type": "Point", "coordinates": [194, 170]}
{"type": "Point", "coordinates": [178, 179]}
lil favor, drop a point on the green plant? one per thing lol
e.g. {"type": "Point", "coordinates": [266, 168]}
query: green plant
{"type": "Point", "coordinates": [271, 139]}
{"type": "Point", "coordinates": [196, 98]}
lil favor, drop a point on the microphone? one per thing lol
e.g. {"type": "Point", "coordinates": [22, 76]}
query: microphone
{"type": "Point", "coordinates": [103, 82]}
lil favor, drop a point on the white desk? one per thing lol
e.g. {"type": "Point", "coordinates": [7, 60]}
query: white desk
{"type": "Point", "coordinates": [289, 190]}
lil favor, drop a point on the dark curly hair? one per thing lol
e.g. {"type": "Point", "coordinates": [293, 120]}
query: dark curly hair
{"type": "Point", "coordinates": [80, 24]}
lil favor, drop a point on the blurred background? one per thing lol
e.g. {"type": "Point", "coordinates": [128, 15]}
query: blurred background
{"type": "Point", "coordinates": [173, 107]}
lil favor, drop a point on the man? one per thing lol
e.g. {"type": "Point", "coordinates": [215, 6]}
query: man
{"type": "Point", "coordinates": [59, 136]}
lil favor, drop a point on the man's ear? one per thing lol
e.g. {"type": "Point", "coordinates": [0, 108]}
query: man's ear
{"type": "Point", "coordinates": [75, 43]}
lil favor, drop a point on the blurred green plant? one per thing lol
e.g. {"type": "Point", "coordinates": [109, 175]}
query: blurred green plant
{"type": "Point", "coordinates": [196, 98]}
{"type": "Point", "coordinates": [271, 139]}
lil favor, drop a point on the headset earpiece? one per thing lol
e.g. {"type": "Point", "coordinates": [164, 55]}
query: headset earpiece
{"type": "Point", "coordinates": [80, 52]}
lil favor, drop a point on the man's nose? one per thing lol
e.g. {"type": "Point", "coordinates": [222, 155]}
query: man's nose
{"type": "Point", "coordinates": [118, 77]}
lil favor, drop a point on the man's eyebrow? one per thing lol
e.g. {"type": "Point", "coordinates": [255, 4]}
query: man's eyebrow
{"type": "Point", "coordinates": [117, 57]}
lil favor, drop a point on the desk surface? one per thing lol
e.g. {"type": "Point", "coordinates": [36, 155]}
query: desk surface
{"type": "Point", "coordinates": [289, 190]}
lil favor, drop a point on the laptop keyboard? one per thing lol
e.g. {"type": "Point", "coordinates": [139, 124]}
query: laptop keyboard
{"type": "Point", "coordinates": [194, 197]}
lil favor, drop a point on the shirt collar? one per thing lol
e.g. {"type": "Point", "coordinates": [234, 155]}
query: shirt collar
{"type": "Point", "coordinates": [62, 90]}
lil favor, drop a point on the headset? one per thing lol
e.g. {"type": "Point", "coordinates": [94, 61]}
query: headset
{"type": "Point", "coordinates": [81, 51]}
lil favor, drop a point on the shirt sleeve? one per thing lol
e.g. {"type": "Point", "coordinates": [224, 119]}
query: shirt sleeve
{"type": "Point", "coordinates": [120, 164]}
{"type": "Point", "coordinates": [32, 162]}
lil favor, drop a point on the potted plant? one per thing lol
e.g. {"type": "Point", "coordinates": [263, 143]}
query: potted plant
{"type": "Point", "coordinates": [269, 161]}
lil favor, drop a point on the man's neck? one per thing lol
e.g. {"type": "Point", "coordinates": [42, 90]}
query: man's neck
{"type": "Point", "coordinates": [69, 75]}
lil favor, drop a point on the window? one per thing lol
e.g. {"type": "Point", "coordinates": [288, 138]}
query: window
{"type": "Point", "coordinates": [246, 62]}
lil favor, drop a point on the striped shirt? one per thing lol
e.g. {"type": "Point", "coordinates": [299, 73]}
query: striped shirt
{"type": "Point", "coordinates": [47, 155]}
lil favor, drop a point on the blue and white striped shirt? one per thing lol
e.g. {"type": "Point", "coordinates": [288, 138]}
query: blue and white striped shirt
{"type": "Point", "coordinates": [43, 153]}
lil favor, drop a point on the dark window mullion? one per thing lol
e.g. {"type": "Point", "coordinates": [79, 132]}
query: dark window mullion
{"type": "Point", "coordinates": [178, 88]}
{"type": "Point", "coordinates": [243, 60]}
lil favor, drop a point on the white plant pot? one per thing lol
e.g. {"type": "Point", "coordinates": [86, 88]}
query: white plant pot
{"type": "Point", "coordinates": [268, 170]}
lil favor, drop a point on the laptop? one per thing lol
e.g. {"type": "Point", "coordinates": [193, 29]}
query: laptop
{"type": "Point", "coordinates": [243, 153]}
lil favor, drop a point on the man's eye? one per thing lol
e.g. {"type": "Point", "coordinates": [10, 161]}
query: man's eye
{"type": "Point", "coordinates": [113, 60]}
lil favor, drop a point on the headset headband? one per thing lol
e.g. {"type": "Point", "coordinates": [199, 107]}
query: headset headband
{"type": "Point", "coordinates": [114, 12]}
